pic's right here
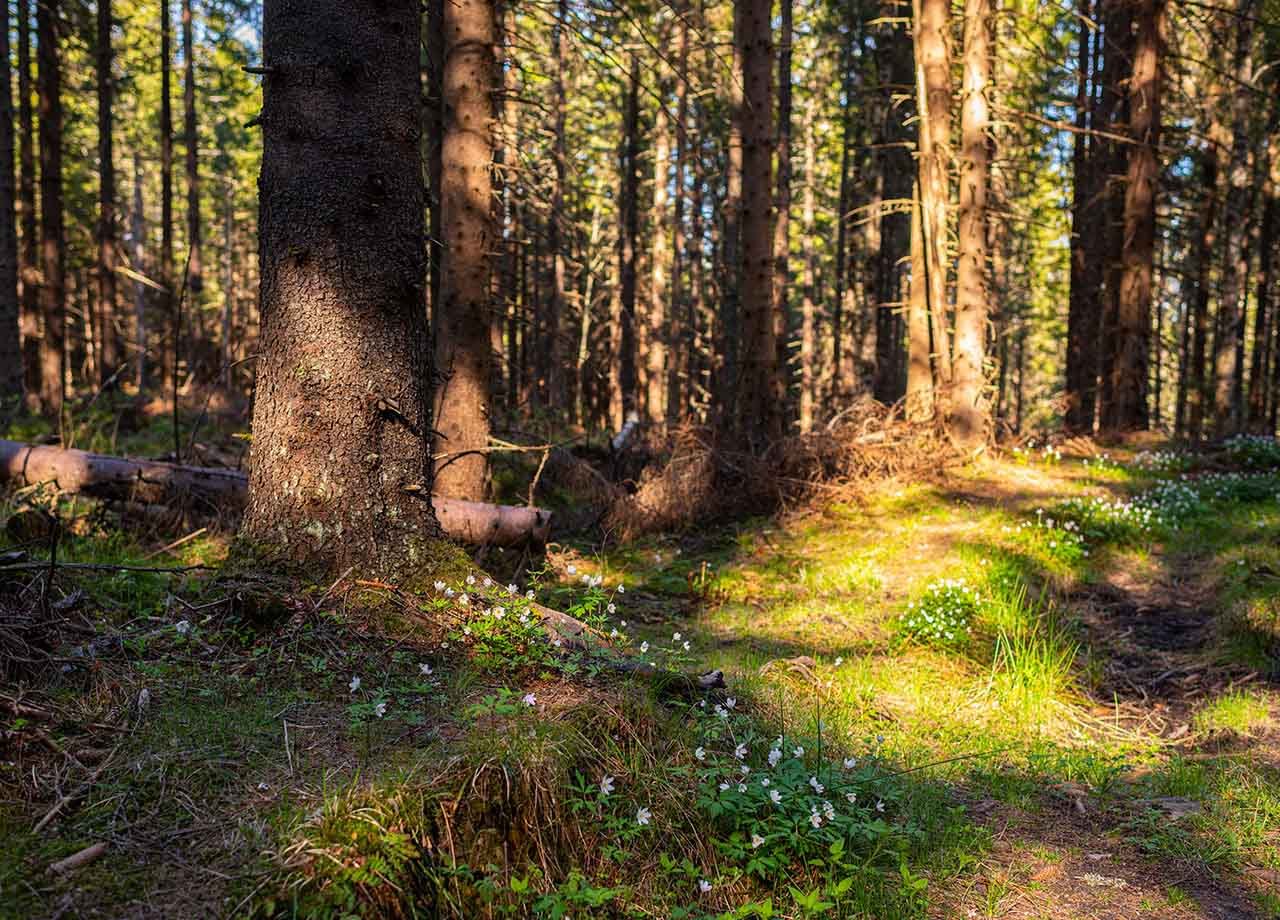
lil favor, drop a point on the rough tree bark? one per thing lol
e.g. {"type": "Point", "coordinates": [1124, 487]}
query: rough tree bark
{"type": "Point", "coordinates": [808, 307]}
{"type": "Point", "coordinates": [341, 472]}
{"type": "Point", "coordinates": [10, 331]}
{"type": "Point", "coordinates": [106, 200]}
{"type": "Point", "coordinates": [1127, 408]}
{"type": "Point", "coordinates": [759, 415]}
{"type": "Point", "coordinates": [933, 77]}
{"type": "Point", "coordinates": [1264, 315]}
{"type": "Point", "coordinates": [920, 401]}
{"type": "Point", "coordinates": [29, 251]}
{"type": "Point", "coordinates": [467, 234]}
{"type": "Point", "coordinates": [969, 414]}
{"type": "Point", "coordinates": [1201, 261]}
{"type": "Point", "coordinates": [52, 236]}
{"type": "Point", "coordinates": [550, 356]}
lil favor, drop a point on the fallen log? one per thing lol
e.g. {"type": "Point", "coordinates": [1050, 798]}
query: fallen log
{"type": "Point", "coordinates": [150, 482]}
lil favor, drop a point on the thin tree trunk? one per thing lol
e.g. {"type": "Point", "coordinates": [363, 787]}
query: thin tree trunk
{"type": "Point", "coordinates": [680, 322]}
{"type": "Point", "coordinates": [782, 203]}
{"type": "Point", "coordinates": [29, 251]}
{"type": "Point", "coordinates": [553, 372]}
{"type": "Point", "coordinates": [342, 472]}
{"type": "Point", "coordinates": [969, 418]}
{"type": "Point", "coordinates": [466, 211]}
{"type": "Point", "coordinates": [730, 280]}
{"type": "Point", "coordinates": [934, 98]}
{"type": "Point", "coordinates": [659, 263]}
{"type": "Point", "coordinates": [191, 140]}
{"type": "Point", "coordinates": [759, 417]}
{"type": "Point", "coordinates": [106, 200]}
{"type": "Point", "coordinates": [622, 327]}
{"type": "Point", "coordinates": [11, 382]}
{"type": "Point", "coordinates": [920, 400]}
{"type": "Point", "coordinates": [1264, 314]}
{"type": "Point", "coordinates": [808, 308]}
{"type": "Point", "coordinates": [137, 229]}
{"type": "Point", "coordinates": [1233, 164]}
{"type": "Point", "coordinates": [1201, 265]}
{"type": "Point", "coordinates": [228, 282]}
{"type": "Point", "coordinates": [169, 299]}
{"type": "Point", "coordinates": [840, 386]}
{"type": "Point", "coordinates": [53, 358]}
{"type": "Point", "coordinates": [1083, 337]}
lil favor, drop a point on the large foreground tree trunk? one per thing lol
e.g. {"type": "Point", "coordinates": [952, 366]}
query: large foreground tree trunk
{"type": "Point", "coordinates": [467, 232]}
{"type": "Point", "coordinates": [341, 472]}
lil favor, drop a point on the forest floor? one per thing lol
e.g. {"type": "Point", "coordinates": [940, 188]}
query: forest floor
{"type": "Point", "coordinates": [1053, 684]}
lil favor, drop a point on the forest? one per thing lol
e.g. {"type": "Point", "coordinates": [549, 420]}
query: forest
{"type": "Point", "coordinates": [693, 459]}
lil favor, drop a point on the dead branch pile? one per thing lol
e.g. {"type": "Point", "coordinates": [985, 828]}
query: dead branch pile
{"type": "Point", "coordinates": [701, 481]}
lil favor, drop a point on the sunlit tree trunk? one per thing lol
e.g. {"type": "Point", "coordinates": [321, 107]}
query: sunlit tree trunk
{"type": "Point", "coordinates": [191, 140]}
{"type": "Point", "coordinates": [920, 401]}
{"type": "Point", "coordinates": [659, 262]}
{"type": "Point", "coordinates": [137, 229]}
{"type": "Point", "coordinates": [730, 282]}
{"type": "Point", "coordinates": [933, 76]}
{"type": "Point", "coordinates": [341, 472]}
{"type": "Point", "coordinates": [467, 232]}
{"type": "Point", "coordinates": [969, 416]}
{"type": "Point", "coordinates": [53, 358]}
{"type": "Point", "coordinates": [808, 308]}
{"type": "Point", "coordinates": [682, 320]}
{"type": "Point", "coordinates": [1083, 336]}
{"type": "Point", "coordinates": [1264, 315]}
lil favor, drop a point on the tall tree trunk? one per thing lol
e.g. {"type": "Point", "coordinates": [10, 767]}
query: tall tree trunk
{"type": "Point", "coordinates": [920, 397]}
{"type": "Point", "coordinates": [53, 359]}
{"type": "Point", "coordinates": [731, 281]}
{"type": "Point", "coordinates": [1233, 164]}
{"type": "Point", "coordinates": [228, 282]}
{"type": "Point", "coordinates": [552, 371]}
{"type": "Point", "coordinates": [11, 383]}
{"type": "Point", "coordinates": [341, 474]}
{"type": "Point", "coordinates": [840, 385]}
{"type": "Point", "coordinates": [969, 417]}
{"type": "Point", "coordinates": [659, 262]}
{"type": "Point", "coordinates": [808, 308]}
{"type": "Point", "coordinates": [466, 228]}
{"type": "Point", "coordinates": [1264, 314]}
{"type": "Point", "coordinates": [106, 200]}
{"type": "Point", "coordinates": [782, 203]}
{"type": "Point", "coordinates": [1201, 266]}
{"type": "Point", "coordinates": [169, 298]}
{"type": "Point", "coordinates": [933, 71]}
{"type": "Point", "coordinates": [191, 141]}
{"type": "Point", "coordinates": [138, 230]}
{"type": "Point", "coordinates": [622, 325]}
{"type": "Point", "coordinates": [681, 324]}
{"type": "Point", "coordinates": [1127, 408]}
{"type": "Point", "coordinates": [29, 252]}
{"type": "Point", "coordinates": [1083, 337]}
{"type": "Point", "coordinates": [759, 419]}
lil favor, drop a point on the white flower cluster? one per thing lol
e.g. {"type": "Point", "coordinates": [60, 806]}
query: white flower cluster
{"type": "Point", "coordinates": [944, 613]}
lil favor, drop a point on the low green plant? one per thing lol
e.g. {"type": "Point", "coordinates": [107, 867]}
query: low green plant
{"type": "Point", "coordinates": [943, 615]}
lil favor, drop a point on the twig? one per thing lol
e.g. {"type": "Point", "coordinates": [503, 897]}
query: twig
{"type": "Point", "coordinates": [70, 796]}
{"type": "Point", "coordinates": [175, 544]}
{"type": "Point", "coordinates": [77, 860]}
{"type": "Point", "coordinates": [104, 567]}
